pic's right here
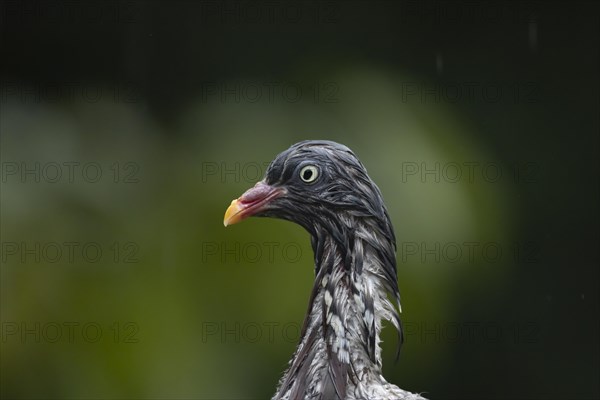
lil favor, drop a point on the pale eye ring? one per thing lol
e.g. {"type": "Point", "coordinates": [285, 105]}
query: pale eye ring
{"type": "Point", "coordinates": [309, 173]}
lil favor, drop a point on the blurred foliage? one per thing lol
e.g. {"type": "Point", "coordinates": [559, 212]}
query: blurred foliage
{"type": "Point", "coordinates": [187, 309]}
{"type": "Point", "coordinates": [189, 278]}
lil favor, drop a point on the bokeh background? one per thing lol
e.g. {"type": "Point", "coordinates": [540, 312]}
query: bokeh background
{"type": "Point", "coordinates": [127, 128]}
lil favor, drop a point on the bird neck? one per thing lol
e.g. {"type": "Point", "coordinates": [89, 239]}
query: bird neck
{"type": "Point", "coordinates": [351, 292]}
{"type": "Point", "coordinates": [355, 269]}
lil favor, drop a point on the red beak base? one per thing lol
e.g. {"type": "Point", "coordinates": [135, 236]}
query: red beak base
{"type": "Point", "coordinates": [251, 202]}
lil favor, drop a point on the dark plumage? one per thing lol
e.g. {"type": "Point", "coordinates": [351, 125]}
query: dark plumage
{"type": "Point", "coordinates": [322, 186]}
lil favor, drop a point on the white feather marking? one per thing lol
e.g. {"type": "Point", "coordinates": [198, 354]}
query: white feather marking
{"type": "Point", "coordinates": [328, 299]}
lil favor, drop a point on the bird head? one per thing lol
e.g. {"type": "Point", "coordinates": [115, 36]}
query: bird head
{"type": "Point", "coordinates": [320, 185]}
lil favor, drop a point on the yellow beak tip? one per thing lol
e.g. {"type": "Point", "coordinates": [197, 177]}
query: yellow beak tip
{"type": "Point", "coordinates": [232, 214]}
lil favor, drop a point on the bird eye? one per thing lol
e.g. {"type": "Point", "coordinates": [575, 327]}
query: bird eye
{"type": "Point", "coordinates": [309, 174]}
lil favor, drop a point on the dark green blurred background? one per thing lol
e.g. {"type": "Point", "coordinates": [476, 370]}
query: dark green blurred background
{"type": "Point", "coordinates": [128, 127]}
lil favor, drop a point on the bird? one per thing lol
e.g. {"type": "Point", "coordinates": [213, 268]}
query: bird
{"type": "Point", "coordinates": [322, 186]}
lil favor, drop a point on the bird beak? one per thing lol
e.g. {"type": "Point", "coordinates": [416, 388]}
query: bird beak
{"type": "Point", "coordinates": [251, 202]}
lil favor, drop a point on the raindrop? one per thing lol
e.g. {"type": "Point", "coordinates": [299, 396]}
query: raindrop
{"type": "Point", "coordinates": [533, 35]}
